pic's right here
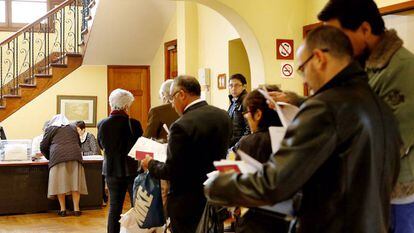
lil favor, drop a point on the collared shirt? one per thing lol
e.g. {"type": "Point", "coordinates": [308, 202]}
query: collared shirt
{"type": "Point", "coordinates": [192, 103]}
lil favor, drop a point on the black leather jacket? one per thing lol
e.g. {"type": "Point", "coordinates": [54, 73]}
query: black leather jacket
{"type": "Point", "coordinates": [342, 150]}
{"type": "Point", "coordinates": [240, 126]}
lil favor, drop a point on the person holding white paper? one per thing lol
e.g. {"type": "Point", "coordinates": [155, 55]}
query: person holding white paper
{"type": "Point", "coordinates": [200, 136]}
{"type": "Point", "coordinates": [258, 145]}
{"type": "Point", "coordinates": [342, 149]}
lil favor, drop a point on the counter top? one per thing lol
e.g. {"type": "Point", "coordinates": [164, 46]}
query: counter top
{"type": "Point", "coordinates": [42, 162]}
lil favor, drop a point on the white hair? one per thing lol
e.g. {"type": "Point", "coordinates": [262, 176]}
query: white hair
{"type": "Point", "coordinates": [165, 90]}
{"type": "Point", "coordinates": [120, 99]}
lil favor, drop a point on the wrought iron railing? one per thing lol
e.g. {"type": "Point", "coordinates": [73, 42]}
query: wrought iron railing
{"type": "Point", "coordinates": [33, 49]}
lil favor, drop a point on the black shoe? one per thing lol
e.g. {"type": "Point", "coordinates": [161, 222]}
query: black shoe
{"type": "Point", "coordinates": [62, 213]}
{"type": "Point", "coordinates": [77, 213]}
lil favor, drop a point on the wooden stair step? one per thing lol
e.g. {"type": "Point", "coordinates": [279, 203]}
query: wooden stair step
{"type": "Point", "coordinates": [25, 85]}
{"type": "Point", "coordinates": [59, 65]}
{"type": "Point", "coordinates": [12, 96]}
{"type": "Point", "coordinates": [84, 31]}
{"type": "Point", "coordinates": [71, 54]}
{"type": "Point", "coordinates": [91, 4]}
{"type": "Point", "coordinates": [43, 75]}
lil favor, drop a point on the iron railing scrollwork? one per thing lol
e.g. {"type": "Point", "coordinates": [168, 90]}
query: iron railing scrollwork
{"type": "Point", "coordinates": [33, 49]}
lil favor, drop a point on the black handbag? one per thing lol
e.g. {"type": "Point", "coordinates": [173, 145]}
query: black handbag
{"type": "Point", "coordinates": [212, 219]}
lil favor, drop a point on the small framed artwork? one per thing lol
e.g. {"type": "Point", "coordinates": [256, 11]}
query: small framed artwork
{"type": "Point", "coordinates": [77, 108]}
{"type": "Point", "coordinates": [221, 81]}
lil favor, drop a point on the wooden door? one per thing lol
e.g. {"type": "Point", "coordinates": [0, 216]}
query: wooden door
{"type": "Point", "coordinates": [135, 79]}
{"type": "Point", "coordinates": [170, 57]}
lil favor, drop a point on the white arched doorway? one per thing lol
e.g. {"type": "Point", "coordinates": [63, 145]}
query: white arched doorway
{"type": "Point", "coordinates": [250, 42]}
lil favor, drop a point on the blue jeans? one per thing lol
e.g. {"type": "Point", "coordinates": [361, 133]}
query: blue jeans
{"type": "Point", "coordinates": [402, 220]}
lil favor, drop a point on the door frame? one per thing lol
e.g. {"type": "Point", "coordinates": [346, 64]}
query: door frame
{"type": "Point", "coordinates": [147, 67]}
{"type": "Point", "coordinates": [167, 58]}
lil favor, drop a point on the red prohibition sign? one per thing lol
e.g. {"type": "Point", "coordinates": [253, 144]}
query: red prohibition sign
{"type": "Point", "coordinates": [287, 70]}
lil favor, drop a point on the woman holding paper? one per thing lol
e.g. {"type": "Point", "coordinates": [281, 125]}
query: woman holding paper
{"type": "Point", "coordinates": [258, 145]}
{"type": "Point", "coordinates": [117, 134]}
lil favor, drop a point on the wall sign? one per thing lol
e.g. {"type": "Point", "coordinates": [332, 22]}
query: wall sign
{"type": "Point", "coordinates": [284, 49]}
{"type": "Point", "coordinates": [287, 69]}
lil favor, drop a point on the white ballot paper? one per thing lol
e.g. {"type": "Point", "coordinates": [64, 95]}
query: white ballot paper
{"type": "Point", "coordinates": [144, 145]}
{"type": "Point", "coordinates": [284, 207]}
{"type": "Point", "coordinates": [276, 136]}
{"type": "Point", "coordinates": [286, 112]}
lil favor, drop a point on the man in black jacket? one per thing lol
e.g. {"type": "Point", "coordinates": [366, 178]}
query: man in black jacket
{"type": "Point", "coordinates": [200, 136]}
{"type": "Point", "coordinates": [342, 149]}
{"type": "Point", "coordinates": [237, 87]}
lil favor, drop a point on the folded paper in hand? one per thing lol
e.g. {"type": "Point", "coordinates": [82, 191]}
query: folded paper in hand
{"type": "Point", "coordinates": [250, 165]}
{"type": "Point", "coordinates": [145, 146]}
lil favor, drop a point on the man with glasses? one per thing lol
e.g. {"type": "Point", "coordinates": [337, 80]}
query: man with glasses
{"type": "Point", "coordinates": [390, 69]}
{"type": "Point", "coordinates": [237, 87]}
{"type": "Point", "coordinates": [342, 149]}
{"type": "Point", "coordinates": [200, 136]}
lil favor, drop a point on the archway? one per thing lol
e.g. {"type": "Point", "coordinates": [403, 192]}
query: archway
{"type": "Point", "coordinates": [250, 42]}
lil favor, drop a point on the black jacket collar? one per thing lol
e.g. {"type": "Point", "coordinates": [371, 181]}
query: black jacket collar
{"type": "Point", "coordinates": [239, 98]}
{"type": "Point", "coordinates": [195, 106]}
{"type": "Point", "coordinates": [352, 72]}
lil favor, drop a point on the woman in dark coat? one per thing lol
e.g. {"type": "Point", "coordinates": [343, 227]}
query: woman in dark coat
{"type": "Point", "coordinates": [258, 145]}
{"type": "Point", "coordinates": [61, 146]}
{"type": "Point", "coordinates": [117, 134]}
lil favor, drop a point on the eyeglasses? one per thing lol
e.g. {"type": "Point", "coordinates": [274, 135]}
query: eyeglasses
{"type": "Point", "coordinates": [234, 85]}
{"type": "Point", "coordinates": [301, 68]}
{"type": "Point", "coordinates": [174, 94]}
{"type": "Point", "coordinates": [245, 112]}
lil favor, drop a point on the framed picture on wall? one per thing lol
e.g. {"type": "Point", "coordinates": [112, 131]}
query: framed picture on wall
{"type": "Point", "coordinates": [221, 81]}
{"type": "Point", "coordinates": [77, 108]}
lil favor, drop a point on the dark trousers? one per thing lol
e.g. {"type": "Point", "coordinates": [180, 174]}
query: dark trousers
{"type": "Point", "coordinates": [183, 226]}
{"type": "Point", "coordinates": [117, 190]}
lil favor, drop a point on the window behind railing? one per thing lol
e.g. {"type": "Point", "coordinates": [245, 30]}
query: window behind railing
{"type": "Point", "coordinates": [15, 14]}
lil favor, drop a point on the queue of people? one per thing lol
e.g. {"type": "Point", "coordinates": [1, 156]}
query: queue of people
{"type": "Point", "coordinates": [347, 153]}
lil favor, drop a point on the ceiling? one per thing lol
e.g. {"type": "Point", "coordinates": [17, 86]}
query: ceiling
{"type": "Point", "coordinates": [128, 32]}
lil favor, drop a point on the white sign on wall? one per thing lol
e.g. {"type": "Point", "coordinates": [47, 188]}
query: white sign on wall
{"type": "Point", "coordinates": [287, 70]}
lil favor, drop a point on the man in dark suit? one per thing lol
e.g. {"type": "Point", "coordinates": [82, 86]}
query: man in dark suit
{"type": "Point", "coordinates": [160, 115]}
{"type": "Point", "coordinates": [200, 136]}
{"type": "Point", "coordinates": [157, 117]}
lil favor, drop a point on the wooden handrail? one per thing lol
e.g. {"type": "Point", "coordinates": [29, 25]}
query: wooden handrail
{"type": "Point", "coordinates": [47, 15]}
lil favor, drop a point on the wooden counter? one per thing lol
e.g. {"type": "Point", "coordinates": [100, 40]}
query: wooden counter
{"type": "Point", "coordinates": [23, 187]}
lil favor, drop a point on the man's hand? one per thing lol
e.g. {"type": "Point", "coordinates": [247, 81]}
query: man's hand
{"type": "Point", "coordinates": [145, 162]}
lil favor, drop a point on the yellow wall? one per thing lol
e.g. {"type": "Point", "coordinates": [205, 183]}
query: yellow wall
{"type": "Point", "coordinates": [27, 122]}
{"type": "Point", "coordinates": [271, 20]}
{"type": "Point", "coordinates": [157, 66]}
{"type": "Point", "coordinates": [238, 61]}
{"type": "Point", "coordinates": [215, 32]}
{"type": "Point", "coordinates": [187, 35]}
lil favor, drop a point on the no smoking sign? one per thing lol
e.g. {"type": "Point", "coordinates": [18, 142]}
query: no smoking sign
{"type": "Point", "coordinates": [284, 49]}
{"type": "Point", "coordinates": [286, 70]}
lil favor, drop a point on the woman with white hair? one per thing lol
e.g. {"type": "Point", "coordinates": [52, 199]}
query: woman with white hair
{"type": "Point", "coordinates": [61, 146]}
{"type": "Point", "coordinates": [116, 136]}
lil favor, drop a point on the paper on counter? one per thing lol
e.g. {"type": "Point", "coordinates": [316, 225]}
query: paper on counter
{"type": "Point", "coordinates": [93, 157]}
{"type": "Point", "coordinates": [144, 144]}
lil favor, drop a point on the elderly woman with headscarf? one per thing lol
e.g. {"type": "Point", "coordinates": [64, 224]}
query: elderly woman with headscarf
{"type": "Point", "coordinates": [117, 134]}
{"type": "Point", "coordinates": [61, 145]}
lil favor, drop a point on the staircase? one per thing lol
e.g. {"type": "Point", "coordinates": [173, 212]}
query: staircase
{"type": "Point", "coordinates": [42, 53]}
